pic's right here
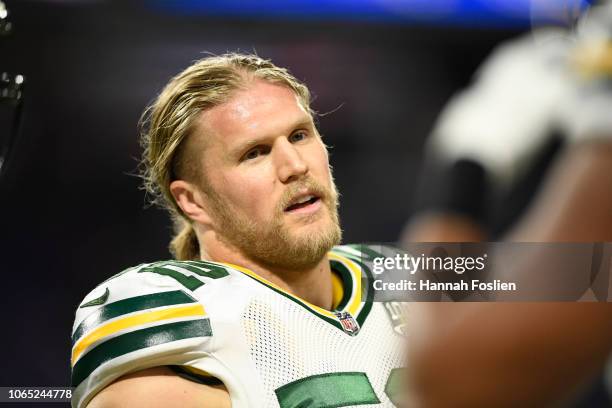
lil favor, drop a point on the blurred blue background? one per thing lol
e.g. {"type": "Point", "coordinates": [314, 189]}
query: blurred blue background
{"type": "Point", "coordinates": [487, 13]}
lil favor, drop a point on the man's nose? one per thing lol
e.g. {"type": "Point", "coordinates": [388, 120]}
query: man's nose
{"type": "Point", "coordinates": [289, 162]}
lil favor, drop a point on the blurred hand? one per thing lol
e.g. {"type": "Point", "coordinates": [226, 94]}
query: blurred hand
{"type": "Point", "coordinates": [510, 110]}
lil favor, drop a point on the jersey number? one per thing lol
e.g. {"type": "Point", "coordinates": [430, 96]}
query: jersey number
{"type": "Point", "coordinates": [177, 271]}
{"type": "Point", "coordinates": [336, 390]}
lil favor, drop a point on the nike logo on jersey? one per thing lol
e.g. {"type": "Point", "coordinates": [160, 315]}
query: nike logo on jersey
{"type": "Point", "coordinates": [98, 301]}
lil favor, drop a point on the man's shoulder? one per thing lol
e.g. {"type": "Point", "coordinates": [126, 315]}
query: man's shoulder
{"type": "Point", "coordinates": [189, 275]}
{"type": "Point", "coordinates": [154, 284]}
{"type": "Point", "coordinates": [152, 314]}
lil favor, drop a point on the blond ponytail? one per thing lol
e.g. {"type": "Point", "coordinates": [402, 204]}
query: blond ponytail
{"type": "Point", "coordinates": [184, 246]}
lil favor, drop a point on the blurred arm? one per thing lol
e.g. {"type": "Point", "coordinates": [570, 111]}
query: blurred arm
{"type": "Point", "coordinates": [510, 355]}
{"type": "Point", "coordinates": [159, 387]}
{"type": "Point", "coordinates": [527, 354]}
{"type": "Point", "coordinates": [575, 204]}
{"type": "Point", "coordinates": [517, 354]}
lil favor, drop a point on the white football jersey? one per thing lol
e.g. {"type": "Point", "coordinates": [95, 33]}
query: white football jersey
{"type": "Point", "coordinates": [268, 347]}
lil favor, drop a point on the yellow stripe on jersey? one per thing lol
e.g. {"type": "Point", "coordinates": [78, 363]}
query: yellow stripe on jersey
{"type": "Point", "coordinates": [197, 371]}
{"type": "Point", "coordinates": [355, 301]}
{"type": "Point", "coordinates": [113, 327]}
{"type": "Point", "coordinates": [337, 290]}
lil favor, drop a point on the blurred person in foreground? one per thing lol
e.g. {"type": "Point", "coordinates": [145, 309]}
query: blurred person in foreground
{"type": "Point", "coordinates": [261, 307]}
{"type": "Point", "coordinates": [540, 109]}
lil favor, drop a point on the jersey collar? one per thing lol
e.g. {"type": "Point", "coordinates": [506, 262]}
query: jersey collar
{"type": "Point", "coordinates": [354, 293]}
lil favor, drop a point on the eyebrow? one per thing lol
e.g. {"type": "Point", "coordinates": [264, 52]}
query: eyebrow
{"type": "Point", "coordinates": [250, 143]}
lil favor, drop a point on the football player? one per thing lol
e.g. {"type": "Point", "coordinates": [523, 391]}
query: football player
{"type": "Point", "coordinates": [261, 308]}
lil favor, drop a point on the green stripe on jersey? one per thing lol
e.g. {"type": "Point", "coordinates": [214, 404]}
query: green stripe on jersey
{"type": "Point", "coordinates": [129, 305]}
{"type": "Point", "coordinates": [327, 391]}
{"type": "Point", "coordinates": [136, 340]}
{"type": "Point", "coordinates": [367, 295]}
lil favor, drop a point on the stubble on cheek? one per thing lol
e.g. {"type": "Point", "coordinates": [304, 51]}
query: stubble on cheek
{"type": "Point", "coordinates": [273, 241]}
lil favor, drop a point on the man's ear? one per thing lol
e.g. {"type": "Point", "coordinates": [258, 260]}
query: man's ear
{"type": "Point", "coordinates": [190, 200]}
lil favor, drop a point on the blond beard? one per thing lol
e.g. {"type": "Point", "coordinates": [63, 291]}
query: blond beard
{"type": "Point", "coordinates": [271, 243]}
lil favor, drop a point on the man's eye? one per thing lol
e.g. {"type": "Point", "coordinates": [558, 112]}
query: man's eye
{"type": "Point", "coordinates": [252, 154]}
{"type": "Point", "coordinates": [296, 137]}
{"type": "Point", "coordinates": [255, 152]}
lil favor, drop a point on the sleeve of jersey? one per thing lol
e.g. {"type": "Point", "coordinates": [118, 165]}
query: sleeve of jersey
{"type": "Point", "coordinates": [132, 322]}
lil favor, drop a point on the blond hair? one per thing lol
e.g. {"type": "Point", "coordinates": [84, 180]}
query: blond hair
{"type": "Point", "coordinates": [171, 118]}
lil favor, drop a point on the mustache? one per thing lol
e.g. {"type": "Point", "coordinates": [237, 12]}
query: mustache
{"type": "Point", "coordinates": [310, 184]}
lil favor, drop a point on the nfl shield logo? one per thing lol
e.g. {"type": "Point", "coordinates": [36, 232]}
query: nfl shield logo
{"type": "Point", "coordinates": [349, 324]}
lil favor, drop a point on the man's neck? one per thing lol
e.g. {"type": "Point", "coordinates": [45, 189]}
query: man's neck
{"type": "Point", "coordinates": [313, 284]}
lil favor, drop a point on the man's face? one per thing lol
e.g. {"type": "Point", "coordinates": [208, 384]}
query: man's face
{"type": "Point", "coordinates": [269, 187]}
